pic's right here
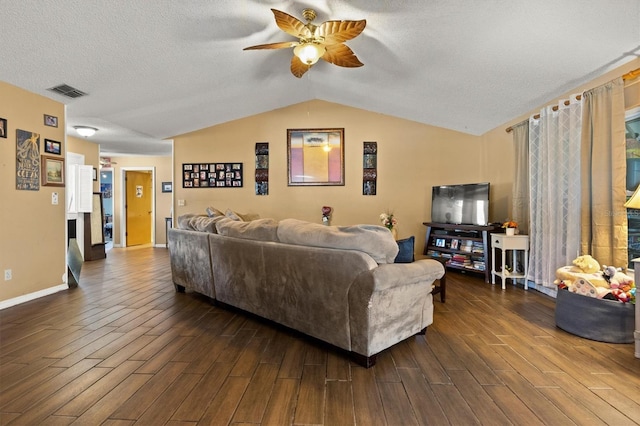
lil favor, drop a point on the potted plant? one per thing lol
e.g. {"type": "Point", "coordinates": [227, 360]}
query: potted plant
{"type": "Point", "coordinates": [510, 227]}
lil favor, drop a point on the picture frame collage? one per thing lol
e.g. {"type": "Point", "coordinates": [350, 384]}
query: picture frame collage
{"type": "Point", "coordinates": [212, 175]}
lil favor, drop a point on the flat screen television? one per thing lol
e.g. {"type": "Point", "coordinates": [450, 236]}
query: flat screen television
{"type": "Point", "coordinates": [466, 204]}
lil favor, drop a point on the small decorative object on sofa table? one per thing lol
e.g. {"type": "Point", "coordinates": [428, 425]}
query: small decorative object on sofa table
{"type": "Point", "coordinates": [326, 215]}
{"type": "Point", "coordinates": [389, 222]}
{"type": "Point", "coordinates": [510, 227]}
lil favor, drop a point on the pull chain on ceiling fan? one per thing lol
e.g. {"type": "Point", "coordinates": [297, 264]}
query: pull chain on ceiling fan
{"type": "Point", "coordinates": [324, 41]}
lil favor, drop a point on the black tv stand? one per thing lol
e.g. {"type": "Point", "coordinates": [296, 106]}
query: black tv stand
{"type": "Point", "coordinates": [465, 246]}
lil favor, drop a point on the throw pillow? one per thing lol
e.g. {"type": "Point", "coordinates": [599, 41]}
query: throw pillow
{"type": "Point", "coordinates": [405, 253]}
{"type": "Point", "coordinates": [232, 215]}
{"type": "Point", "coordinates": [213, 212]}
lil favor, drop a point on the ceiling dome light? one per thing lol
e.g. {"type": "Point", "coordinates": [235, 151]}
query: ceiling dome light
{"type": "Point", "coordinates": [309, 53]}
{"type": "Point", "coordinates": [85, 131]}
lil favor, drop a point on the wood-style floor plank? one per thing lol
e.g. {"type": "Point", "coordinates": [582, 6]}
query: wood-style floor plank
{"type": "Point", "coordinates": [124, 348]}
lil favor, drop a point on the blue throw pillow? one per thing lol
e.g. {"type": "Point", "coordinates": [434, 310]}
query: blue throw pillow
{"type": "Point", "coordinates": [405, 255]}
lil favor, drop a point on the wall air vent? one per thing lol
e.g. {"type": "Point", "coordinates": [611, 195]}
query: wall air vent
{"type": "Point", "coordinates": [68, 91]}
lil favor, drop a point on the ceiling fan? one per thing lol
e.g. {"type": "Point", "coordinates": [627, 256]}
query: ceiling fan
{"type": "Point", "coordinates": [324, 41]}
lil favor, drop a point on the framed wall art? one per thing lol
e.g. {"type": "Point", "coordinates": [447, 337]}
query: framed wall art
{"type": "Point", "coordinates": [27, 160]}
{"type": "Point", "coordinates": [212, 175]}
{"type": "Point", "coordinates": [52, 171]}
{"type": "Point", "coordinates": [3, 128]}
{"type": "Point", "coordinates": [167, 186]}
{"type": "Point", "coordinates": [262, 168]}
{"type": "Point", "coordinates": [50, 120]}
{"type": "Point", "coordinates": [315, 157]}
{"type": "Point", "coordinates": [369, 168]}
{"type": "Point", "coordinates": [52, 147]}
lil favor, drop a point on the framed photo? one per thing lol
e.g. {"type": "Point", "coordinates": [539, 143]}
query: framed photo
{"type": "Point", "coordinates": [52, 147]}
{"type": "Point", "coordinates": [454, 244]}
{"type": "Point", "coordinates": [167, 186]}
{"type": "Point", "coordinates": [50, 120]}
{"type": "Point", "coordinates": [440, 242]}
{"type": "Point", "coordinates": [315, 157]}
{"type": "Point", "coordinates": [95, 174]}
{"type": "Point", "coordinates": [3, 128]}
{"type": "Point", "coordinates": [52, 171]}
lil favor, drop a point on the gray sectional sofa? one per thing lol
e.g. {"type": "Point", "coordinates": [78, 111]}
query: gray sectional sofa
{"type": "Point", "coordinates": [336, 284]}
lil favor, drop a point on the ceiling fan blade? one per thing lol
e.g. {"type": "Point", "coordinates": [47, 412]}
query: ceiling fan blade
{"type": "Point", "coordinates": [290, 24]}
{"type": "Point", "coordinates": [279, 45]}
{"type": "Point", "coordinates": [340, 31]}
{"type": "Point", "coordinates": [298, 68]}
{"type": "Point", "coordinates": [342, 56]}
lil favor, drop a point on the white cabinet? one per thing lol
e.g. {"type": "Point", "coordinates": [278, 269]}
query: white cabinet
{"type": "Point", "coordinates": [509, 269]}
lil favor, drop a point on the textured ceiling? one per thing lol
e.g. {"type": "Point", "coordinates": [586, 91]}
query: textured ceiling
{"type": "Point", "coordinates": [156, 69]}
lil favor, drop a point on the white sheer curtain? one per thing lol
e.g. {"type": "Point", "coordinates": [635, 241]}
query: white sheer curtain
{"type": "Point", "coordinates": [554, 166]}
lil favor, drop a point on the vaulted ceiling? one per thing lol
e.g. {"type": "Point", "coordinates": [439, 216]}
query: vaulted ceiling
{"type": "Point", "coordinates": [156, 69]}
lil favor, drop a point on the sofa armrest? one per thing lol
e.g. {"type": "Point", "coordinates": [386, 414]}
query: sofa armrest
{"type": "Point", "coordinates": [391, 303]}
{"type": "Point", "coordinates": [399, 274]}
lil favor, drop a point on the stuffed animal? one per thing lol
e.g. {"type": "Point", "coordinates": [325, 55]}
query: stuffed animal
{"type": "Point", "coordinates": [584, 267]}
{"type": "Point", "coordinates": [616, 278]}
{"type": "Point", "coordinates": [586, 264]}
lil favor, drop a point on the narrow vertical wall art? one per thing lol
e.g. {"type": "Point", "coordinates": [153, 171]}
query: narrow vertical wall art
{"type": "Point", "coordinates": [27, 160]}
{"type": "Point", "coordinates": [369, 168]}
{"type": "Point", "coordinates": [262, 168]}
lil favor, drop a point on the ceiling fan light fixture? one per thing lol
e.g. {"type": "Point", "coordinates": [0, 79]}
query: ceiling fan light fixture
{"type": "Point", "coordinates": [309, 52]}
{"type": "Point", "coordinates": [85, 131]}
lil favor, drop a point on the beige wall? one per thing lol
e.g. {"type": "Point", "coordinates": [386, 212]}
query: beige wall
{"type": "Point", "coordinates": [412, 157]}
{"type": "Point", "coordinates": [162, 208]}
{"type": "Point", "coordinates": [32, 230]}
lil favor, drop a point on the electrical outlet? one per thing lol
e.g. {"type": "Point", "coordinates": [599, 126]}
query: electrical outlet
{"type": "Point", "coordinates": [7, 274]}
{"type": "Point", "coordinates": [54, 198]}
{"type": "Point", "coordinates": [181, 203]}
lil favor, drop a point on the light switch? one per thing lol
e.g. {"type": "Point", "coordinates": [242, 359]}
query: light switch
{"type": "Point", "coordinates": [54, 198]}
{"type": "Point", "coordinates": [181, 203]}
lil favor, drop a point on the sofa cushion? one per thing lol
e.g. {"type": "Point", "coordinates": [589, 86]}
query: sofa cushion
{"type": "Point", "coordinates": [374, 240]}
{"type": "Point", "coordinates": [213, 212]}
{"type": "Point", "coordinates": [184, 221]}
{"type": "Point", "coordinates": [245, 217]}
{"type": "Point", "coordinates": [205, 223]}
{"type": "Point", "coordinates": [405, 253]}
{"type": "Point", "coordinates": [259, 229]}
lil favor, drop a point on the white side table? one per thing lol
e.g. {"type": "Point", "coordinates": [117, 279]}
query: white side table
{"type": "Point", "coordinates": [514, 243]}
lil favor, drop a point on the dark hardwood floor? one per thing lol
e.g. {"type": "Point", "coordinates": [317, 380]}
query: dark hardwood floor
{"type": "Point", "coordinates": [123, 348]}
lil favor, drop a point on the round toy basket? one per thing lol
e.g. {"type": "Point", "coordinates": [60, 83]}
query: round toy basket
{"type": "Point", "coordinates": [595, 319]}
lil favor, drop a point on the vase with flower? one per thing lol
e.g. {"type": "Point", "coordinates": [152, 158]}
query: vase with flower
{"type": "Point", "coordinates": [510, 227]}
{"type": "Point", "coordinates": [389, 222]}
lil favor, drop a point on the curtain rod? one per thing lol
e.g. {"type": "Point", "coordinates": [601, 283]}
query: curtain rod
{"type": "Point", "coordinates": [631, 75]}
{"type": "Point", "coordinates": [626, 77]}
{"type": "Point", "coordinates": [555, 108]}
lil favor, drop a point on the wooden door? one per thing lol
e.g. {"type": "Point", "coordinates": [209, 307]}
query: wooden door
{"type": "Point", "coordinates": [138, 207]}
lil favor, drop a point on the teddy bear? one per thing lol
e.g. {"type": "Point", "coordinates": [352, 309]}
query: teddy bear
{"type": "Point", "coordinates": [586, 264]}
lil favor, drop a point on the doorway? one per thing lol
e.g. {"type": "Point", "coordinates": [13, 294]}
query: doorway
{"type": "Point", "coordinates": [106, 188]}
{"type": "Point", "coordinates": [138, 202]}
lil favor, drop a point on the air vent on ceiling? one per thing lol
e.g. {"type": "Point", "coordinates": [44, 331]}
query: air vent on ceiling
{"type": "Point", "coordinates": [68, 91]}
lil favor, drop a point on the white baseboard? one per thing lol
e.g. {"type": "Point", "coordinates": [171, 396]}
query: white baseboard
{"type": "Point", "coordinates": [32, 296]}
{"type": "Point", "coordinates": [160, 245]}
